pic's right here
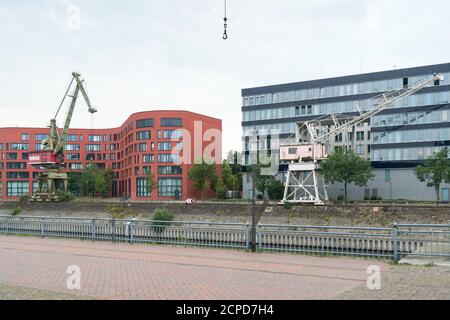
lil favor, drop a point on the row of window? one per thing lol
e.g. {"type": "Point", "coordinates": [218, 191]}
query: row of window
{"type": "Point", "coordinates": [342, 107]}
{"type": "Point", "coordinates": [165, 122]}
{"type": "Point", "coordinates": [418, 135]}
{"type": "Point", "coordinates": [400, 154]}
{"type": "Point", "coordinates": [336, 91]}
{"type": "Point", "coordinates": [422, 117]}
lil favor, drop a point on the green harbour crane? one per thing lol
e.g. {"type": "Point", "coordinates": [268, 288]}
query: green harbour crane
{"type": "Point", "coordinates": [50, 159]}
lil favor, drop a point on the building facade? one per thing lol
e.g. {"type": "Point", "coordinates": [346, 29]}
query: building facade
{"type": "Point", "coordinates": [161, 142]}
{"type": "Point", "coordinates": [396, 140]}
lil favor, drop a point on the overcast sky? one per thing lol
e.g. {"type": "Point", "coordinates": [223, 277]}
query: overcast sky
{"type": "Point", "coordinates": [169, 54]}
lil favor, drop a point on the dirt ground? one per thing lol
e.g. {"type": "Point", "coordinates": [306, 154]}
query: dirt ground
{"type": "Point", "coordinates": [345, 215]}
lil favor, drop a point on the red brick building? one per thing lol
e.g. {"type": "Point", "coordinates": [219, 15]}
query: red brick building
{"type": "Point", "coordinates": [165, 143]}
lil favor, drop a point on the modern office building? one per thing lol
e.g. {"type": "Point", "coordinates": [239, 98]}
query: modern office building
{"type": "Point", "coordinates": [397, 139]}
{"type": "Point", "coordinates": [142, 144]}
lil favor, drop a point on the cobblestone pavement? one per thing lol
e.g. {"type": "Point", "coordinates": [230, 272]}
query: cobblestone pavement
{"type": "Point", "coordinates": [19, 293]}
{"type": "Point", "coordinates": [125, 271]}
{"type": "Point", "coordinates": [32, 268]}
{"type": "Point", "coordinates": [406, 283]}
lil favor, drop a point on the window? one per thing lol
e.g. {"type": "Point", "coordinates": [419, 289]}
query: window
{"type": "Point", "coordinates": [1, 146]}
{"type": "Point", "coordinates": [169, 170]}
{"type": "Point", "coordinates": [359, 150]}
{"type": "Point", "coordinates": [168, 158]}
{"type": "Point", "coordinates": [387, 175]}
{"type": "Point", "coordinates": [141, 188]}
{"type": "Point", "coordinates": [148, 158]}
{"type": "Point", "coordinates": [90, 157]}
{"type": "Point", "coordinates": [144, 123]}
{"type": "Point", "coordinates": [93, 147]}
{"type": "Point", "coordinates": [170, 134]}
{"type": "Point", "coordinates": [19, 146]}
{"type": "Point", "coordinates": [146, 170]}
{"type": "Point", "coordinates": [338, 137]}
{"type": "Point", "coordinates": [169, 187]}
{"type": "Point", "coordinates": [73, 156]}
{"type": "Point", "coordinates": [38, 147]}
{"type": "Point", "coordinates": [292, 151]}
{"type": "Point", "coordinates": [17, 188]}
{"type": "Point", "coordinates": [76, 166]}
{"type": "Point", "coordinates": [93, 138]}
{"type": "Point", "coordinates": [16, 165]}
{"type": "Point", "coordinates": [17, 175]}
{"type": "Point", "coordinates": [72, 147]}
{"type": "Point", "coordinates": [360, 135]}
{"type": "Point", "coordinates": [11, 156]}
{"type": "Point", "coordinates": [164, 146]}
{"type": "Point", "coordinates": [143, 135]}
{"type": "Point", "coordinates": [40, 136]}
{"type": "Point", "coordinates": [142, 146]}
{"type": "Point", "coordinates": [70, 138]}
{"type": "Point", "coordinates": [171, 122]}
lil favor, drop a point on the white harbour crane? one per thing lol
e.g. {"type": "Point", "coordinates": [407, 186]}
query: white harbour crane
{"type": "Point", "coordinates": [304, 183]}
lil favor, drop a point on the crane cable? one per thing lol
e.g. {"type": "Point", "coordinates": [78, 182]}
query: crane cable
{"type": "Point", "coordinates": [225, 25]}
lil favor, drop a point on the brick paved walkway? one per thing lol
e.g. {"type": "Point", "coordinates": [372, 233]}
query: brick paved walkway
{"type": "Point", "coordinates": [124, 271]}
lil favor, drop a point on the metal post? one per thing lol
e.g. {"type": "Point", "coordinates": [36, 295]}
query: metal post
{"type": "Point", "coordinates": [185, 234]}
{"type": "Point", "coordinates": [42, 227]}
{"type": "Point", "coordinates": [260, 234]}
{"type": "Point", "coordinates": [113, 230]}
{"type": "Point", "coordinates": [247, 236]}
{"type": "Point", "coordinates": [253, 233]}
{"type": "Point", "coordinates": [130, 231]}
{"type": "Point", "coordinates": [395, 234]}
{"type": "Point", "coordinates": [93, 229]}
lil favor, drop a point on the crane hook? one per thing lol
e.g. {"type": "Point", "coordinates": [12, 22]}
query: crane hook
{"type": "Point", "coordinates": [225, 25]}
{"type": "Point", "coordinates": [225, 35]}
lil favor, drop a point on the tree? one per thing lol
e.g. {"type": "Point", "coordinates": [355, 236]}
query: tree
{"type": "Point", "coordinates": [150, 183]}
{"type": "Point", "coordinates": [228, 178]}
{"type": "Point", "coordinates": [347, 167]}
{"type": "Point", "coordinates": [275, 190]}
{"type": "Point", "coordinates": [93, 181]}
{"type": "Point", "coordinates": [262, 181]}
{"type": "Point", "coordinates": [435, 171]}
{"type": "Point", "coordinates": [203, 176]}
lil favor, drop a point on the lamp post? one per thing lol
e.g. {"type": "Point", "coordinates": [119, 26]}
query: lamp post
{"type": "Point", "coordinates": [253, 231]}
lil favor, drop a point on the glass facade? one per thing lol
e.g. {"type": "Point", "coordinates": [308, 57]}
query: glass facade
{"type": "Point", "coordinates": [169, 187]}
{"type": "Point", "coordinates": [392, 135]}
{"type": "Point", "coordinates": [17, 188]}
{"type": "Point", "coordinates": [141, 188]}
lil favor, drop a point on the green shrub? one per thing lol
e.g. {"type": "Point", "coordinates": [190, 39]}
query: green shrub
{"type": "Point", "coordinates": [24, 198]}
{"type": "Point", "coordinates": [221, 191]}
{"type": "Point", "coordinates": [275, 190]}
{"type": "Point", "coordinates": [288, 205]}
{"type": "Point", "coordinates": [162, 218]}
{"type": "Point", "coordinates": [64, 196]}
{"type": "Point", "coordinates": [16, 211]}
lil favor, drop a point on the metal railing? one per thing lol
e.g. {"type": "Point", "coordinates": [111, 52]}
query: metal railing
{"type": "Point", "coordinates": [429, 240]}
{"type": "Point", "coordinates": [352, 241]}
{"type": "Point", "coordinates": [207, 234]}
{"type": "Point", "coordinates": [396, 242]}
